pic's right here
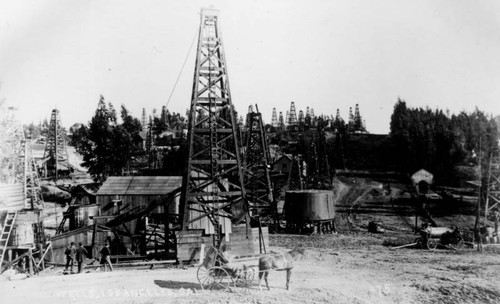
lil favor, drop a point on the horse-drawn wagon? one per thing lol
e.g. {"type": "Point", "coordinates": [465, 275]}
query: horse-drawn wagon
{"type": "Point", "coordinates": [217, 272]}
{"type": "Point", "coordinates": [431, 237]}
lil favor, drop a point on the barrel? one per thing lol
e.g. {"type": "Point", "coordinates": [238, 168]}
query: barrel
{"type": "Point", "coordinates": [309, 206]}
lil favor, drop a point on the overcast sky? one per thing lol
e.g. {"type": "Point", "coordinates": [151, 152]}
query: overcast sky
{"type": "Point", "coordinates": [322, 54]}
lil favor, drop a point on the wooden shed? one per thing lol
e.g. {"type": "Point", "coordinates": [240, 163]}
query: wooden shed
{"type": "Point", "coordinates": [139, 205]}
{"type": "Point", "coordinates": [283, 164]}
{"type": "Point", "coordinates": [84, 194]}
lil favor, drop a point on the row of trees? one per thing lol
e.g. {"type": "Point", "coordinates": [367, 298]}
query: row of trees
{"type": "Point", "coordinates": [111, 148]}
{"type": "Point", "coordinates": [438, 142]}
{"type": "Point", "coordinates": [419, 138]}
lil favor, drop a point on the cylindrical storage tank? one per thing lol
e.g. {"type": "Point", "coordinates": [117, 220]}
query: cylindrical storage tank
{"type": "Point", "coordinates": [309, 206]}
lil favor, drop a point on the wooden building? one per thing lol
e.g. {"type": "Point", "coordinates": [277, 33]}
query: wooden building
{"type": "Point", "coordinates": [282, 165]}
{"type": "Point", "coordinates": [141, 209]}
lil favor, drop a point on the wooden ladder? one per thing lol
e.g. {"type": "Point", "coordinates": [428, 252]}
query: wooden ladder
{"type": "Point", "coordinates": [6, 230]}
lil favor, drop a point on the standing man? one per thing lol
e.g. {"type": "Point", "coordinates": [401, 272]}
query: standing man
{"type": "Point", "coordinates": [105, 260]}
{"type": "Point", "coordinates": [81, 254]}
{"type": "Point", "coordinates": [496, 219]}
{"type": "Point", "coordinates": [70, 256]}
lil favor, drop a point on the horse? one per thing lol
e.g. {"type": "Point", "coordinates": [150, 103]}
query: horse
{"type": "Point", "coordinates": [279, 262]}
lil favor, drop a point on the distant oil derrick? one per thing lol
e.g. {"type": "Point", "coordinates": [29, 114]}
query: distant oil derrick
{"type": "Point", "coordinates": [151, 149]}
{"type": "Point", "coordinates": [292, 116]}
{"type": "Point", "coordinates": [257, 160]}
{"type": "Point", "coordinates": [350, 122]}
{"type": "Point", "coordinates": [55, 156]}
{"type": "Point", "coordinates": [281, 124]}
{"type": "Point", "coordinates": [212, 184]}
{"type": "Point", "coordinates": [358, 124]}
{"type": "Point", "coordinates": [144, 121]}
{"type": "Point", "coordinates": [301, 117]}
{"type": "Point", "coordinates": [274, 119]}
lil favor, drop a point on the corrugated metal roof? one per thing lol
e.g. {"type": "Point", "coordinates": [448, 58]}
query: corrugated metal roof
{"type": "Point", "coordinates": [11, 197]}
{"type": "Point", "coordinates": [140, 185]}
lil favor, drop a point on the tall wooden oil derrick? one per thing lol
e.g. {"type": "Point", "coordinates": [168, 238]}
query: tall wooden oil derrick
{"type": "Point", "coordinates": [295, 176]}
{"type": "Point", "coordinates": [492, 201]}
{"type": "Point", "coordinates": [55, 153]}
{"type": "Point", "coordinates": [11, 149]}
{"type": "Point", "coordinates": [17, 167]}
{"type": "Point", "coordinates": [18, 164]}
{"type": "Point", "coordinates": [319, 167]}
{"type": "Point", "coordinates": [32, 188]}
{"type": "Point", "coordinates": [213, 185]}
{"type": "Point", "coordinates": [257, 160]}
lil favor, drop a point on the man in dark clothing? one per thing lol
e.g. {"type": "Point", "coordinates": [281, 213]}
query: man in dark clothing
{"type": "Point", "coordinates": [496, 220]}
{"type": "Point", "coordinates": [105, 260]}
{"type": "Point", "coordinates": [81, 254]}
{"type": "Point", "coordinates": [70, 256]}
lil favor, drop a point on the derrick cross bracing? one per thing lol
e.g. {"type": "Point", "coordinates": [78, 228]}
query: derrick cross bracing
{"type": "Point", "coordinates": [17, 158]}
{"type": "Point", "coordinates": [257, 179]}
{"type": "Point", "coordinates": [320, 177]}
{"type": "Point", "coordinates": [213, 180]}
{"type": "Point", "coordinates": [493, 186]}
{"type": "Point", "coordinates": [55, 149]}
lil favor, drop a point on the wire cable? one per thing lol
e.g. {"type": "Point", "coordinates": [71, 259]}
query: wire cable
{"type": "Point", "coordinates": [182, 69]}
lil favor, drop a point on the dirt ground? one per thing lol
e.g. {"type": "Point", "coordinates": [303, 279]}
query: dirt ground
{"type": "Point", "coordinates": [358, 268]}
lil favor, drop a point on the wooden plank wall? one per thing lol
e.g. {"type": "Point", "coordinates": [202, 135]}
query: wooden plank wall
{"type": "Point", "coordinates": [189, 244]}
{"type": "Point", "coordinates": [240, 243]}
{"type": "Point", "coordinates": [246, 244]}
{"type": "Point", "coordinates": [24, 233]}
{"type": "Point", "coordinates": [84, 235]}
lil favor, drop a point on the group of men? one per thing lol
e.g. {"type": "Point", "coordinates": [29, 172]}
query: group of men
{"type": "Point", "coordinates": [80, 254]}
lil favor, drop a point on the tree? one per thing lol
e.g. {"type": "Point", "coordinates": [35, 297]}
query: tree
{"type": "Point", "coordinates": [132, 125]}
{"type": "Point", "coordinates": [400, 134]}
{"type": "Point", "coordinates": [106, 148]}
{"type": "Point", "coordinates": [79, 132]}
{"type": "Point", "coordinates": [439, 143]}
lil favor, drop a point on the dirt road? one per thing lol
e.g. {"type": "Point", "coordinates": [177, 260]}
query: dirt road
{"type": "Point", "coordinates": [340, 270]}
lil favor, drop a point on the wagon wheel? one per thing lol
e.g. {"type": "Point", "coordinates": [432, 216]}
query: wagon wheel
{"type": "Point", "coordinates": [432, 243]}
{"type": "Point", "coordinates": [243, 281]}
{"type": "Point", "coordinates": [214, 278]}
{"type": "Point", "coordinates": [204, 278]}
{"type": "Point", "coordinates": [458, 244]}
